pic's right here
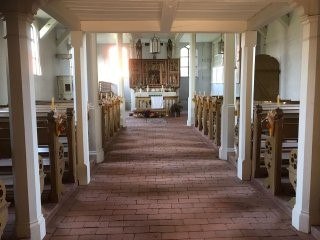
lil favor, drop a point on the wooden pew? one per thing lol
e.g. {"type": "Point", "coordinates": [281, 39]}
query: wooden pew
{"type": "Point", "coordinates": [3, 208]}
{"type": "Point", "coordinates": [110, 117]}
{"type": "Point", "coordinates": [236, 128]}
{"type": "Point", "coordinates": [208, 116]}
{"type": "Point", "coordinates": [260, 131]}
{"type": "Point", "coordinates": [50, 128]}
{"type": "Point", "coordinates": [283, 135]}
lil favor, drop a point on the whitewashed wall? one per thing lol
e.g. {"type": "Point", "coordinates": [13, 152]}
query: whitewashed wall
{"type": "Point", "coordinates": [284, 43]}
{"type": "Point", "coordinates": [45, 85]}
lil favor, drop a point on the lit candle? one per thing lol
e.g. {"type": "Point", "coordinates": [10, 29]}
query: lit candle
{"type": "Point", "coordinates": [278, 99]}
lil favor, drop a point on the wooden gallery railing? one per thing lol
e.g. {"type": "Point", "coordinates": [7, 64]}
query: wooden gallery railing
{"type": "Point", "coordinates": [110, 117]}
{"type": "Point", "coordinates": [207, 115]}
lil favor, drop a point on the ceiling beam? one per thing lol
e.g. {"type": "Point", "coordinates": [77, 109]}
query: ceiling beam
{"type": "Point", "coordinates": [168, 12]}
{"type": "Point", "coordinates": [209, 26]}
{"type": "Point", "coordinates": [48, 27]}
{"type": "Point", "coordinates": [268, 14]}
{"type": "Point", "coordinates": [120, 26]}
{"type": "Point", "coordinates": [59, 12]}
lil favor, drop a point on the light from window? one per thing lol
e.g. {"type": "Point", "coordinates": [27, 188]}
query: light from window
{"type": "Point", "coordinates": [185, 61]}
{"type": "Point", "coordinates": [35, 51]}
{"type": "Point", "coordinates": [109, 68]}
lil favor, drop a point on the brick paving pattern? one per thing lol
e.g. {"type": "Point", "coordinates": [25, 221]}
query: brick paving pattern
{"type": "Point", "coordinates": [162, 180]}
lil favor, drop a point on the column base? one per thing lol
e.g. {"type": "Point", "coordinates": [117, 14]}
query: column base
{"type": "Point", "coordinates": [83, 173]}
{"type": "Point", "coordinates": [244, 169]}
{"type": "Point", "coordinates": [36, 230]}
{"type": "Point", "coordinates": [100, 155]}
{"type": "Point", "coordinates": [300, 220]}
{"type": "Point", "coordinates": [97, 155]}
{"type": "Point", "coordinates": [189, 123]}
{"type": "Point", "coordinates": [223, 152]}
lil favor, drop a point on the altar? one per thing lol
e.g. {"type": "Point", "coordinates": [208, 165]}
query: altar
{"type": "Point", "coordinates": [156, 101]}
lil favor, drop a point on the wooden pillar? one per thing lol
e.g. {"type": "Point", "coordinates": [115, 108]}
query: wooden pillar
{"type": "Point", "coordinates": [80, 74]}
{"type": "Point", "coordinates": [121, 80]}
{"type": "Point", "coordinates": [306, 211]}
{"type": "Point", "coordinates": [248, 44]}
{"type": "Point", "coordinates": [227, 109]}
{"type": "Point", "coordinates": [29, 221]}
{"type": "Point", "coordinates": [192, 75]}
{"type": "Point", "coordinates": [95, 125]}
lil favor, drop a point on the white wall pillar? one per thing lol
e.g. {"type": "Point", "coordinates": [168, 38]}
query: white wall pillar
{"type": "Point", "coordinates": [227, 110]}
{"type": "Point", "coordinates": [78, 43]}
{"type": "Point", "coordinates": [306, 211]}
{"type": "Point", "coordinates": [29, 219]}
{"type": "Point", "coordinates": [192, 75]}
{"type": "Point", "coordinates": [95, 131]}
{"type": "Point", "coordinates": [248, 44]}
{"type": "Point", "coordinates": [3, 65]}
{"type": "Point", "coordinates": [121, 80]}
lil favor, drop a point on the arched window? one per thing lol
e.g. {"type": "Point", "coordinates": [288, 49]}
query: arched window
{"type": "Point", "coordinates": [185, 61]}
{"type": "Point", "coordinates": [35, 51]}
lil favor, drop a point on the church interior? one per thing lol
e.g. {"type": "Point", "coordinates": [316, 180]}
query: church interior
{"type": "Point", "coordinates": [161, 119]}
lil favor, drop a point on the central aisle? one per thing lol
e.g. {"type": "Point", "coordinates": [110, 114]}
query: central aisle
{"type": "Point", "coordinates": [162, 180]}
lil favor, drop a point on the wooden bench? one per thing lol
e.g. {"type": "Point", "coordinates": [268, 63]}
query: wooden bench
{"type": "Point", "coordinates": [55, 136]}
{"type": "Point", "coordinates": [282, 139]}
{"type": "Point", "coordinates": [207, 113]}
{"type": "Point", "coordinates": [110, 117]}
{"type": "Point", "coordinates": [260, 132]}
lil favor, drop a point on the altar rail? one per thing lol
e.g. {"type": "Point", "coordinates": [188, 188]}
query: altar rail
{"type": "Point", "coordinates": [144, 103]}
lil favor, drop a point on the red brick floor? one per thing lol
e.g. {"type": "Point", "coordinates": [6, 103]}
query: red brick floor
{"type": "Point", "coordinates": [162, 180]}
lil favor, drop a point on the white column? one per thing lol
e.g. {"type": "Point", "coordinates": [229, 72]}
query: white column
{"type": "Point", "coordinates": [227, 110]}
{"type": "Point", "coordinates": [95, 131]}
{"type": "Point", "coordinates": [306, 211]}
{"type": "Point", "coordinates": [192, 74]}
{"type": "Point", "coordinates": [248, 44]}
{"type": "Point", "coordinates": [121, 80]}
{"type": "Point", "coordinates": [29, 219]}
{"type": "Point", "coordinates": [78, 43]}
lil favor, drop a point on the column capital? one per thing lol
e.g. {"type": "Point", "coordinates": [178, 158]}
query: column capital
{"type": "Point", "coordinates": [76, 38]}
{"type": "Point", "coordinates": [249, 39]}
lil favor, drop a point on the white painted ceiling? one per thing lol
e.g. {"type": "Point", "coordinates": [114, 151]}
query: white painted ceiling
{"type": "Point", "coordinates": [165, 15]}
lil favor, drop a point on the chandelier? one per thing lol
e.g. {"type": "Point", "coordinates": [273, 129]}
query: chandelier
{"type": "Point", "coordinates": [221, 46]}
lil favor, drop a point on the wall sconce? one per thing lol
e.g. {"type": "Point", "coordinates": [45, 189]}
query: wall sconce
{"type": "Point", "coordinates": [221, 46]}
{"type": "Point", "coordinates": [154, 46]}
